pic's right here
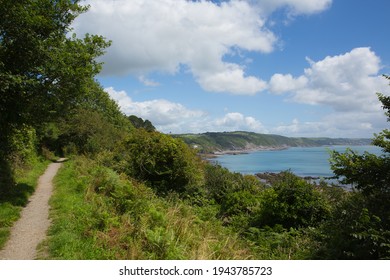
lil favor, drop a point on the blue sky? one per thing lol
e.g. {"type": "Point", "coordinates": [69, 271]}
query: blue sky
{"type": "Point", "coordinates": [288, 67]}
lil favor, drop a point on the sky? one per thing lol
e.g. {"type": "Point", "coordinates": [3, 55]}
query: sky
{"type": "Point", "coordinates": [299, 68]}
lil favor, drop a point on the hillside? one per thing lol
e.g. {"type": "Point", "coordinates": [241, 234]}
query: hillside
{"type": "Point", "coordinates": [239, 141]}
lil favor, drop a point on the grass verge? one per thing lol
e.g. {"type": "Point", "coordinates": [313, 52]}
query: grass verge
{"type": "Point", "coordinates": [11, 204]}
{"type": "Point", "coordinates": [99, 214]}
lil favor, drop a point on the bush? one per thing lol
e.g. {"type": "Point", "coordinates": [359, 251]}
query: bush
{"type": "Point", "coordinates": [89, 132]}
{"type": "Point", "coordinates": [22, 145]}
{"type": "Point", "coordinates": [237, 196]}
{"type": "Point", "coordinates": [353, 232]}
{"type": "Point", "coordinates": [292, 202]}
{"type": "Point", "coordinates": [165, 163]}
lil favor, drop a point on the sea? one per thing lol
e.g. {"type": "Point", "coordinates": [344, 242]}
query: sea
{"type": "Point", "coordinates": [302, 161]}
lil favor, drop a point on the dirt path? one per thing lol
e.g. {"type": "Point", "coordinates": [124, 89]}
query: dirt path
{"type": "Point", "coordinates": [31, 228]}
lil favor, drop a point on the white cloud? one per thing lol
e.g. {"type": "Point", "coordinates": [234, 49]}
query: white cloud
{"type": "Point", "coordinates": [176, 118]}
{"type": "Point", "coordinates": [347, 83]}
{"type": "Point", "coordinates": [286, 83]}
{"type": "Point", "coordinates": [237, 121]}
{"type": "Point", "coordinates": [160, 112]}
{"type": "Point", "coordinates": [148, 82]}
{"type": "Point", "coordinates": [169, 36]}
{"type": "Point", "coordinates": [342, 125]}
{"type": "Point", "coordinates": [161, 35]}
{"type": "Point", "coordinates": [232, 79]}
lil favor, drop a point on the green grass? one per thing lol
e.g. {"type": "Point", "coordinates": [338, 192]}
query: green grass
{"type": "Point", "coordinates": [73, 218]}
{"type": "Point", "coordinates": [12, 203]}
{"type": "Point", "coordinates": [99, 214]}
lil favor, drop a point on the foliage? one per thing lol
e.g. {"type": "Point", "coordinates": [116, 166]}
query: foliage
{"type": "Point", "coordinates": [293, 203]}
{"type": "Point", "coordinates": [278, 243]}
{"type": "Point", "coordinates": [97, 100]}
{"type": "Point", "coordinates": [49, 134]}
{"type": "Point", "coordinates": [219, 182]}
{"type": "Point", "coordinates": [98, 214]}
{"type": "Point", "coordinates": [165, 163]}
{"type": "Point", "coordinates": [352, 232]}
{"type": "Point", "coordinates": [42, 70]}
{"type": "Point", "coordinates": [366, 225]}
{"type": "Point", "coordinates": [21, 155]}
{"type": "Point", "coordinates": [23, 143]}
{"type": "Point", "coordinates": [237, 195]}
{"type": "Point", "coordinates": [368, 172]}
{"type": "Point", "coordinates": [93, 126]}
{"type": "Point", "coordinates": [89, 132]}
{"type": "Point", "coordinates": [140, 123]}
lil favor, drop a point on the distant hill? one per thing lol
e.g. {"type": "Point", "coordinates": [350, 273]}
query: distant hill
{"type": "Point", "coordinates": [241, 141]}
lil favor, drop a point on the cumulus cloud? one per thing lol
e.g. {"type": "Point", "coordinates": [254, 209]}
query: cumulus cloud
{"type": "Point", "coordinates": [232, 79]}
{"type": "Point", "coordinates": [349, 124]}
{"type": "Point", "coordinates": [159, 111]}
{"type": "Point", "coordinates": [162, 35]}
{"type": "Point", "coordinates": [286, 83]}
{"type": "Point", "coordinates": [309, 129]}
{"type": "Point", "coordinates": [174, 117]}
{"type": "Point", "coordinates": [148, 82]}
{"type": "Point", "coordinates": [237, 121]}
{"type": "Point", "coordinates": [346, 82]}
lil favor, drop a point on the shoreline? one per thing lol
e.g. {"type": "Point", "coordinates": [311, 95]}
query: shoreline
{"type": "Point", "coordinates": [242, 151]}
{"type": "Point", "coordinates": [252, 148]}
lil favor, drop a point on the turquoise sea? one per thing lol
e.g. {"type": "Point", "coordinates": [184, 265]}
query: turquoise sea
{"type": "Point", "coordinates": [303, 161]}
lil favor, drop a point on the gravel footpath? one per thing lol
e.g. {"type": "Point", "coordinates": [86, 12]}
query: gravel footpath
{"type": "Point", "coordinates": [31, 228]}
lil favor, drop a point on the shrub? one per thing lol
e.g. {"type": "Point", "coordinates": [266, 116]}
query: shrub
{"type": "Point", "coordinates": [292, 202]}
{"type": "Point", "coordinates": [23, 145]}
{"type": "Point", "coordinates": [353, 232]}
{"type": "Point", "coordinates": [237, 195]}
{"type": "Point", "coordinates": [88, 132]}
{"type": "Point", "coordinates": [165, 163]}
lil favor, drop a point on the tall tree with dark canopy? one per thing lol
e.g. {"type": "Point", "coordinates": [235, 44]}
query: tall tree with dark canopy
{"type": "Point", "coordinates": [364, 219]}
{"type": "Point", "coordinates": [43, 69]}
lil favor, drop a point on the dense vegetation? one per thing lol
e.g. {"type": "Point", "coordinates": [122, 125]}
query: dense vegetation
{"type": "Point", "coordinates": [211, 142]}
{"type": "Point", "coordinates": [130, 192]}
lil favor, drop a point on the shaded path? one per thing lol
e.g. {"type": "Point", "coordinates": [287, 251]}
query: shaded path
{"type": "Point", "coordinates": [31, 228]}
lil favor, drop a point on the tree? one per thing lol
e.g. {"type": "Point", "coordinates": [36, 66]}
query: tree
{"type": "Point", "coordinates": [88, 132]}
{"type": "Point", "coordinates": [369, 173]}
{"type": "Point", "coordinates": [292, 202]}
{"type": "Point", "coordinates": [166, 163]}
{"type": "Point", "coordinates": [366, 225]}
{"type": "Point", "coordinates": [140, 123]}
{"type": "Point", "coordinates": [42, 70]}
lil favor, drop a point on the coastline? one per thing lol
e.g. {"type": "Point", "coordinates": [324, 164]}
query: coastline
{"type": "Point", "coordinates": [246, 150]}
{"type": "Point", "coordinates": [250, 148]}
{"type": "Point", "coordinates": [307, 165]}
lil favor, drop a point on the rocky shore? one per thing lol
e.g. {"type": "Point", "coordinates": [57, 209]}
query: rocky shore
{"type": "Point", "coordinates": [270, 177]}
{"type": "Point", "coordinates": [246, 150]}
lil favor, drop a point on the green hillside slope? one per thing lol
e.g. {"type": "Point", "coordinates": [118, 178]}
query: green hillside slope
{"type": "Point", "coordinates": [238, 141]}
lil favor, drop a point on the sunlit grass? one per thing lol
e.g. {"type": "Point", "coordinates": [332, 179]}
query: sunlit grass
{"type": "Point", "coordinates": [98, 214]}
